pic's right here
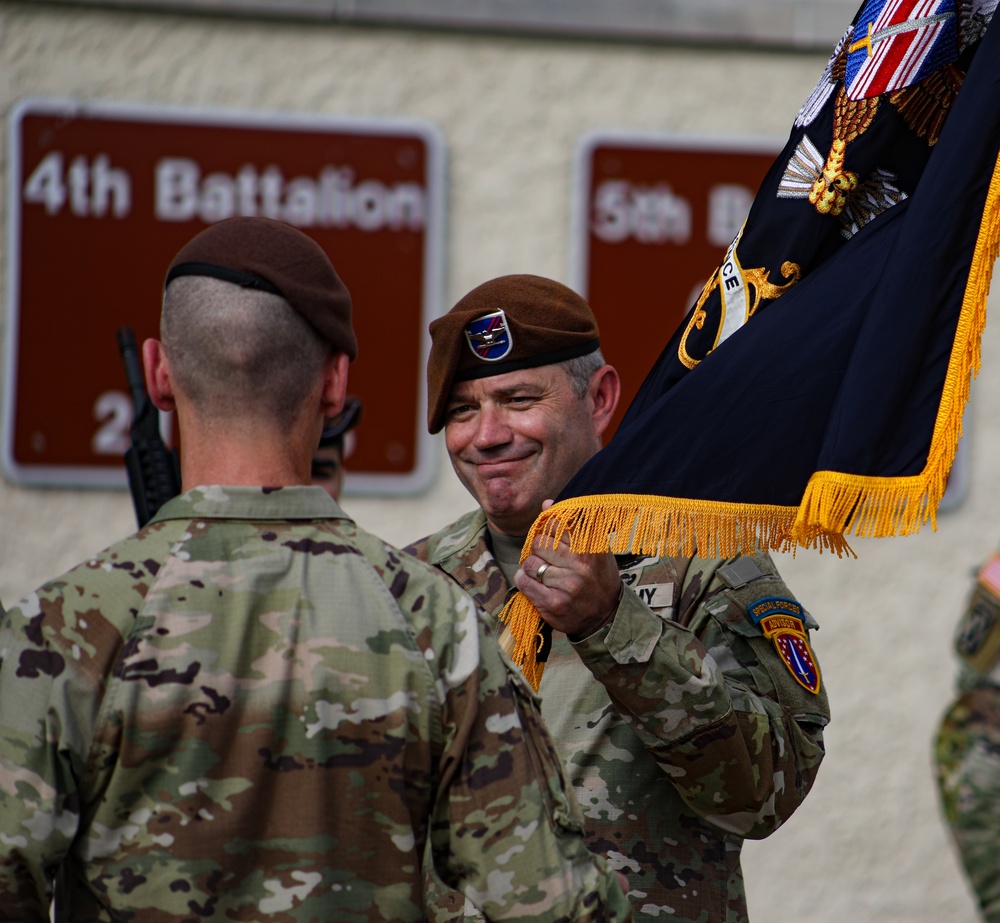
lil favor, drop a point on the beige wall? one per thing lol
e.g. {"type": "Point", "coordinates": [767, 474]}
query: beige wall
{"type": "Point", "coordinates": [868, 845]}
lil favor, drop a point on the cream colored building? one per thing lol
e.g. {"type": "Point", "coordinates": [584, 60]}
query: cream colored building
{"type": "Point", "coordinates": [869, 844]}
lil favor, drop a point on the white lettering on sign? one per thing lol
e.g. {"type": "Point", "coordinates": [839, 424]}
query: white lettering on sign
{"type": "Point", "coordinates": [91, 187]}
{"type": "Point", "coordinates": [728, 206]}
{"type": "Point", "coordinates": [331, 199]}
{"type": "Point", "coordinates": [649, 214]}
{"type": "Point", "coordinates": [113, 410]}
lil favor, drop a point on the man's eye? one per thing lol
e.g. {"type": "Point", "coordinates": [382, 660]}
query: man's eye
{"type": "Point", "coordinates": [459, 410]}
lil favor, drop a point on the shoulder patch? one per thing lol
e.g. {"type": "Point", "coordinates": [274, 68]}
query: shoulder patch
{"type": "Point", "coordinates": [783, 621]}
{"type": "Point", "coordinates": [977, 638]}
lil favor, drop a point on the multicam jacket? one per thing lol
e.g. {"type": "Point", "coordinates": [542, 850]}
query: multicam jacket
{"type": "Point", "coordinates": [683, 727]}
{"type": "Point", "coordinates": [967, 748]}
{"type": "Point", "coordinates": [252, 709]}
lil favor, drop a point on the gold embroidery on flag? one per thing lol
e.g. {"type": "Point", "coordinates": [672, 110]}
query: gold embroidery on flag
{"type": "Point", "coordinates": [925, 105]}
{"type": "Point", "coordinates": [763, 289]}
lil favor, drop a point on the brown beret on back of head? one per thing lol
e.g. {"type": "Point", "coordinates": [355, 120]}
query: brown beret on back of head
{"type": "Point", "coordinates": [271, 256]}
{"type": "Point", "coordinates": [506, 324]}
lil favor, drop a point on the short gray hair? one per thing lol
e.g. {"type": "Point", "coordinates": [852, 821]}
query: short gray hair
{"type": "Point", "coordinates": [237, 352]}
{"type": "Point", "coordinates": [581, 369]}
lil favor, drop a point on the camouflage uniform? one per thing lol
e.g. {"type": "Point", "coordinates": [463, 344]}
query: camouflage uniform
{"type": "Point", "coordinates": [695, 735]}
{"type": "Point", "coordinates": [967, 750]}
{"type": "Point", "coordinates": [253, 709]}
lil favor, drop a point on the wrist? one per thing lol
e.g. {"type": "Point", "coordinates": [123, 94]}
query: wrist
{"type": "Point", "coordinates": [602, 621]}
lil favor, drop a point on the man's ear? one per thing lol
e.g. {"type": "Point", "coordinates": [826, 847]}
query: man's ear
{"type": "Point", "coordinates": [605, 391]}
{"type": "Point", "coordinates": [156, 370]}
{"type": "Point", "coordinates": [334, 383]}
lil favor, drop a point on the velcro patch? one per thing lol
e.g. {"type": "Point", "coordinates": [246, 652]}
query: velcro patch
{"type": "Point", "coordinates": [740, 572]}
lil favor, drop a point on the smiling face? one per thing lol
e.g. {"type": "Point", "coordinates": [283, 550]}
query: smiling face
{"type": "Point", "coordinates": [516, 439]}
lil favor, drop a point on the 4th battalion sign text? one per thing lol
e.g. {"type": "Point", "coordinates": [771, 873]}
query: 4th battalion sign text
{"type": "Point", "coordinates": [93, 187]}
{"type": "Point", "coordinates": [113, 192]}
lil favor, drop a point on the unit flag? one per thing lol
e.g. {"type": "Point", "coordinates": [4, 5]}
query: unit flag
{"type": "Point", "coordinates": [816, 387]}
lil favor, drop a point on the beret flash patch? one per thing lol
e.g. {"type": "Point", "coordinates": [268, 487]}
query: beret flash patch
{"type": "Point", "coordinates": [489, 337]}
{"type": "Point", "coordinates": [782, 620]}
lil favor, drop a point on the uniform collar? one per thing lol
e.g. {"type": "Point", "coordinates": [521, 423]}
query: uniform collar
{"type": "Point", "coordinates": [256, 503]}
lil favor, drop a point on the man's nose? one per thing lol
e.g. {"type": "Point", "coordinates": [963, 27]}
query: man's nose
{"type": "Point", "coordinates": [493, 429]}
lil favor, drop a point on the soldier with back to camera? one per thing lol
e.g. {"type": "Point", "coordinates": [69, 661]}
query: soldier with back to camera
{"type": "Point", "coordinates": [252, 708]}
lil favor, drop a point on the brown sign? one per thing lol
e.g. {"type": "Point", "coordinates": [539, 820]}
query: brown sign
{"type": "Point", "coordinates": [101, 197]}
{"type": "Point", "coordinates": [654, 216]}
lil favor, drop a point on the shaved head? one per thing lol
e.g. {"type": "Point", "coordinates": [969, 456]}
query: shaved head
{"type": "Point", "coordinates": [238, 353]}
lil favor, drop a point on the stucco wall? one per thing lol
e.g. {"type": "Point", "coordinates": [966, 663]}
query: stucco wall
{"type": "Point", "coordinates": [868, 845]}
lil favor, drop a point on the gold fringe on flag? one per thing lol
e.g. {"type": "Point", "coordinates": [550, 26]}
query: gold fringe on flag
{"type": "Point", "coordinates": [876, 507]}
{"type": "Point", "coordinates": [648, 525]}
{"type": "Point", "coordinates": [834, 504]}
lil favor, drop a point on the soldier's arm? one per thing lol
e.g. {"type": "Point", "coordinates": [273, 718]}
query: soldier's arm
{"type": "Point", "coordinates": [506, 830]}
{"type": "Point", "coordinates": [56, 651]}
{"type": "Point", "coordinates": [967, 757]}
{"type": "Point", "coordinates": [967, 746]}
{"type": "Point", "coordinates": [714, 703]}
{"type": "Point", "coordinates": [42, 752]}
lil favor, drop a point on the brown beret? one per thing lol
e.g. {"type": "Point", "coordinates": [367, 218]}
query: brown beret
{"type": "Point", "coordinates": [506, 324]}
{"type": "Point", "coordinates": [271, 256]}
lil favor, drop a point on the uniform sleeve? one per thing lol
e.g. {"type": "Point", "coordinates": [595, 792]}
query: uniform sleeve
{"type": "Point", "coordinates": [505, 830]}
{"type": "Point", "coordinates": [715, 703]}
{"type": "Point", "coordinates": [967, 747]}
{"type": "Point", "coordinates": [43, 746]}
{"type": "Point", "coordinates": [57, 649]}
{"type": "Point", "coordinates": [967, 757]}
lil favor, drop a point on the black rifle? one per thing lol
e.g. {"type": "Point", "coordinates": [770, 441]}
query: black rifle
{"type": "Point", "coordinates": [153, 470]}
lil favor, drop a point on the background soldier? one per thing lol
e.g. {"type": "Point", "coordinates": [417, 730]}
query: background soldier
{"type": "Point", "coordinates": [967, 750]}
{"type": "Point", "coordinates": [328, 459]}
{"type": "Point", "coordinates": [685, 729]}
{"type": "Point", "coordinates": [252, 708]}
